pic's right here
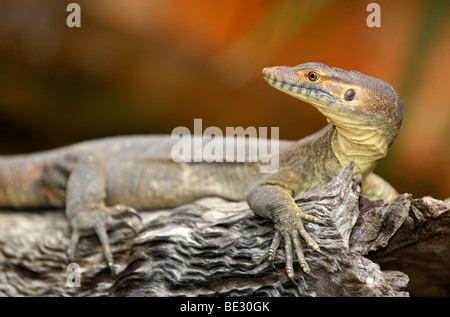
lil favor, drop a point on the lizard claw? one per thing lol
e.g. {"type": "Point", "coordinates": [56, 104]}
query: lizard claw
{"type": "Point", "coordinates": [128, 224]}
{"type": "Point", "coordinates": [124, 211]}
{"type": "Point", "coordinates": [320, 252]}
{"type": "Point", "coordinates": [311, 275]}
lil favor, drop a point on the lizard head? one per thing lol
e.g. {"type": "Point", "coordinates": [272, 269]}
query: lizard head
{"type": "Point", "coordinates": [354, 102]}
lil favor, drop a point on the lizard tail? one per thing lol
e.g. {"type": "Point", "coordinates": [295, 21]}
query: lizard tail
{"type": "Point", "coordinates": [21, 182]}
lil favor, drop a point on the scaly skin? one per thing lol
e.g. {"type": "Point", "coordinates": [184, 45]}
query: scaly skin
{"type": "Point", "coordinates": [101, 183]}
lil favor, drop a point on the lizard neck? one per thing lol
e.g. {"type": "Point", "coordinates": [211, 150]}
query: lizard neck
{"type": "Point", "coordinates": [362, 144]}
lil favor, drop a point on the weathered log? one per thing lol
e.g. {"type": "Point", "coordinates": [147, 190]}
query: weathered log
{"type": "Point", "coordinates": [218, 248]}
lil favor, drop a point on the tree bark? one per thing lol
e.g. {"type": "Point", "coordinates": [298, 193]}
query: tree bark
{"type": "Point", "coordinates": [215, 247]}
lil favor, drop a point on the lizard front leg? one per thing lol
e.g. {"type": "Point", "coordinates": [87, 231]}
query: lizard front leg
{"type": "Point", "coordinates": [374, 187]}
{"type": "Point", "coordinates": [276, 203]}
{"type": "Point", "coordinates": [86, 210]}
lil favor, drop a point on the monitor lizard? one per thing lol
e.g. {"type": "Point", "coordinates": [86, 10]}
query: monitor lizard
{"type": "Point", "coordinates": [102, 183]}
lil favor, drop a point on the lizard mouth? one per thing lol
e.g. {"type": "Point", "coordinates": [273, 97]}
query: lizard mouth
{"type": "Point", "coordinates": [304, 91]}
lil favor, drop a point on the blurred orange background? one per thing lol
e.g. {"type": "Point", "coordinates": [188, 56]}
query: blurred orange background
{"type": "Point", "coordinates": [148, 66]}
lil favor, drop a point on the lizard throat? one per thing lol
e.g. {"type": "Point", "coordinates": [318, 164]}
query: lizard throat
{"type": "Point", "coordinates": [362, 144]}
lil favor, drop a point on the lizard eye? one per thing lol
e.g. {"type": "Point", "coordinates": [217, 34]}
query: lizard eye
{"type": "Point", "coordinates": [313, 76]}
{"type": "Point", "coordinates": [349, 95]}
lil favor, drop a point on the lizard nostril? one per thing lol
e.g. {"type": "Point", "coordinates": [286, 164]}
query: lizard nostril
{"type": "Point", "coordinates": [270, 72]}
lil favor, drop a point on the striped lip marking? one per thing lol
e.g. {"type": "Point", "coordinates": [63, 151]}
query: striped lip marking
{"type": "Point", "coordinates": [272, 79]}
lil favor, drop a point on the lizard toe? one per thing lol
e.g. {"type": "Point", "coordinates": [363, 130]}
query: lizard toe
{"type": "Point", "coordinates": [122, 211]}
